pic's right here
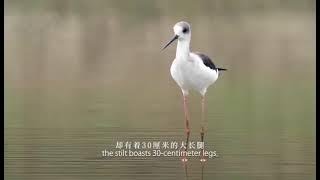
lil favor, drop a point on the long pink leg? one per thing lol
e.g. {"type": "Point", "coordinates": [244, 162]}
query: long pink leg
{"type": "Point", "coordinates": [202, 130]}
{"type": "Point", "coordinates": [186, 115]}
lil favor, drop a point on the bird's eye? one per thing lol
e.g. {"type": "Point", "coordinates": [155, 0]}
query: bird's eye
{"type": "Point", "coordinates": [185, 30]}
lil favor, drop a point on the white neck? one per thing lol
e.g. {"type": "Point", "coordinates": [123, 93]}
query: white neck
{"type": "Point", "coordinates": [183, 49]}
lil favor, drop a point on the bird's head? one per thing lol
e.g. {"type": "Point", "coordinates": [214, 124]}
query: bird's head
{"type": "Point", "coordinates": [182, 32]}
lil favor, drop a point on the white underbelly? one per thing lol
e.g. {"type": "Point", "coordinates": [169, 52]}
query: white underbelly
{"type": "Point", "coordinates": [191, 76]}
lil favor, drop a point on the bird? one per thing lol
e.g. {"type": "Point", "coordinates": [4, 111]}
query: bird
{"type": "Point", "coordinates": [192, 71]}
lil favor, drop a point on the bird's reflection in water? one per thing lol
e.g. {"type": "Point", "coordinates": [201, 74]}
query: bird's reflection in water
{"type": "Point", "coordinates": [185, 166]}
{"type": "Point", "coordinates": [202, 167]}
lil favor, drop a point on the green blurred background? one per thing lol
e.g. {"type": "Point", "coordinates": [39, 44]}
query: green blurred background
{"type": "Point", "coordinates": [80, 75]}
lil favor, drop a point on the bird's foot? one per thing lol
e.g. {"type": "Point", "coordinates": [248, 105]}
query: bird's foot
{"type": "Point", "coordinates": [203, 159]}
{"type": "Point", "coordinates": [184, 159]}
{"type": "Point", "coordinates": [184, 155]}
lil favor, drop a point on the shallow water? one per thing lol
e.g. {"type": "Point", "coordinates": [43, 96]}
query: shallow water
{"type": "Point", "coordinates": [80, 78]}
{"type": "Point", "coordinates": [51, 153]}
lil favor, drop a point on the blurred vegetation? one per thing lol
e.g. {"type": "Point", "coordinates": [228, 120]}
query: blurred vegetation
{"type": "Point", "coordinates": [94, 66]}
{"type": "Point", "coordinates": [153, 8]}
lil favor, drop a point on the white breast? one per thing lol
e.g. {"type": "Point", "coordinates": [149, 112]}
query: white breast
{"type": "Point", "coordinates": [192, 74]}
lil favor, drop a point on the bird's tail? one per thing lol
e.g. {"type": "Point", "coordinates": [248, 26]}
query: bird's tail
{"type": "Point", "coordinates": [221, 69]}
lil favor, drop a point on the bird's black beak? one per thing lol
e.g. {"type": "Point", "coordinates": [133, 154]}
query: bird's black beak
{"type": "Point", "coordinates": [173, 39]}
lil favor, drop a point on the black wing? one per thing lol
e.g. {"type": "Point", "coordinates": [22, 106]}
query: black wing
{"type": "Point", "coordinates": [207, 61]}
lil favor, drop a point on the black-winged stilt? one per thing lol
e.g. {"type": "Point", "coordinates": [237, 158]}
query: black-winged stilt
{"type": "Point", "coordinates": [191, 71]}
